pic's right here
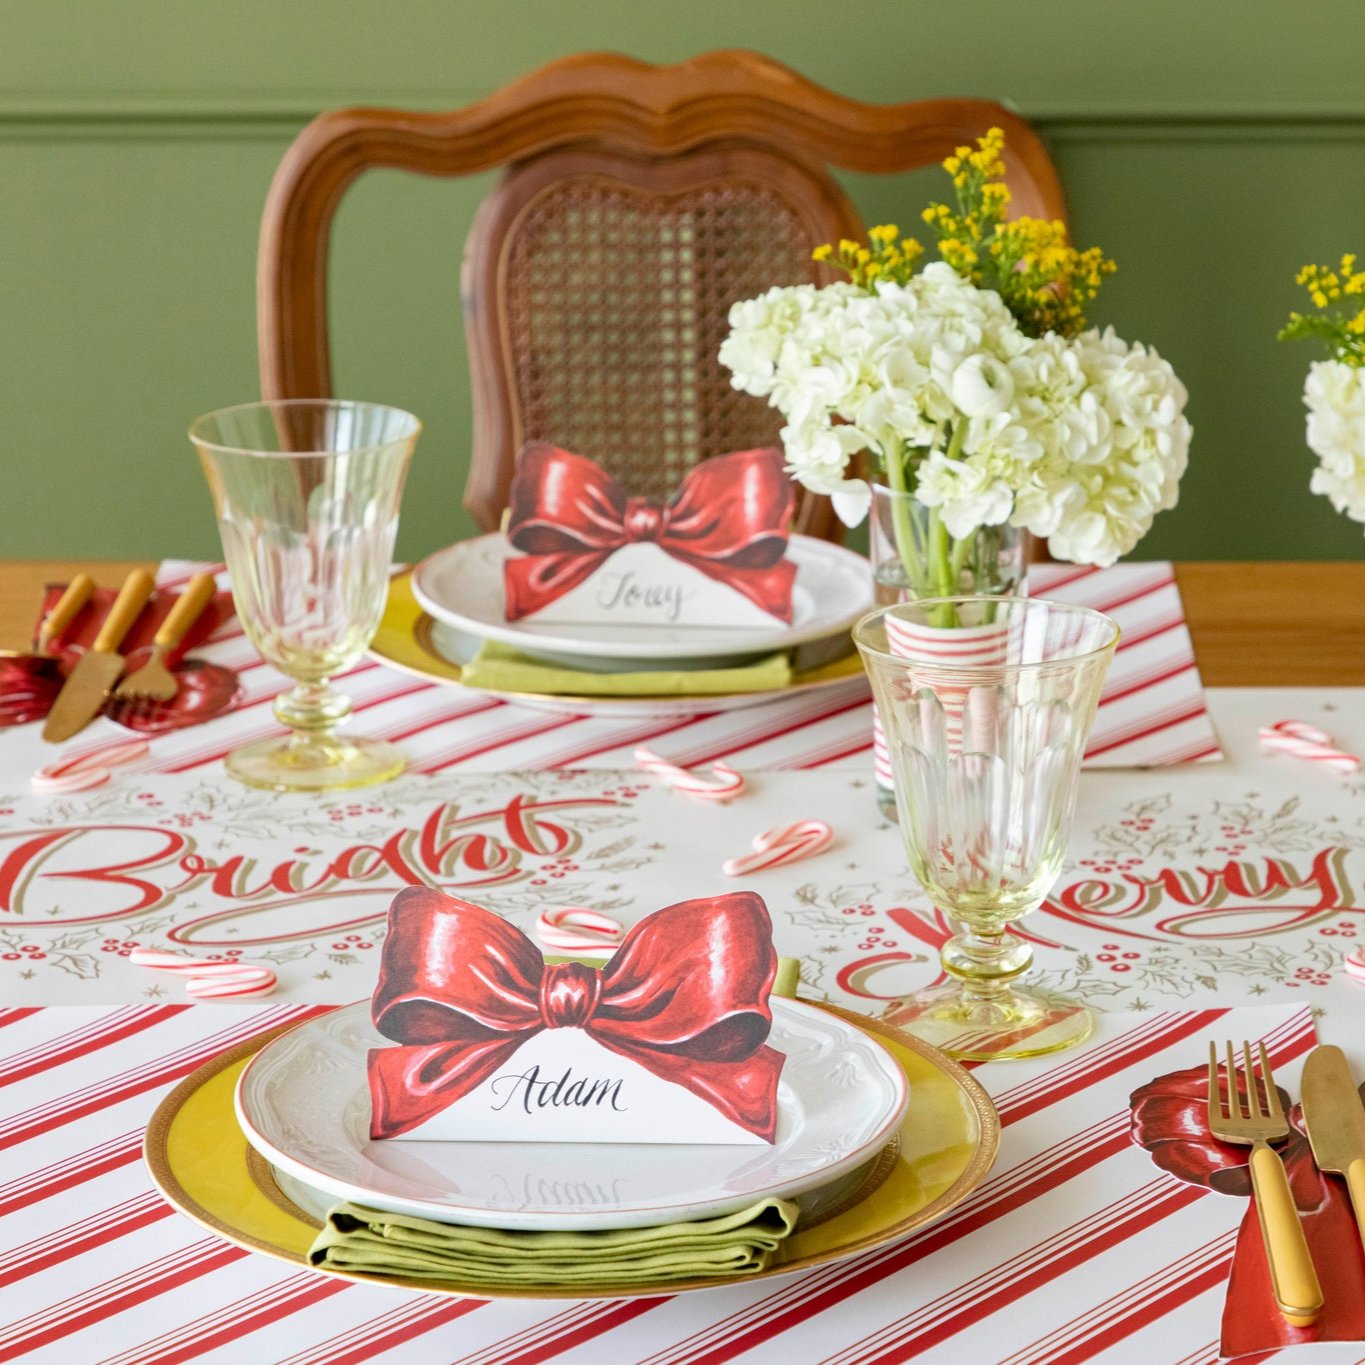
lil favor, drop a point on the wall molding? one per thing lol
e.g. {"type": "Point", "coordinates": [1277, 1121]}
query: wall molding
{"type": "Point", "coordinates": [265, 114]}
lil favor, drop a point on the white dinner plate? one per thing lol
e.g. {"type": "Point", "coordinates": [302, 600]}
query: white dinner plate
{"type": "Point", "coordinates": [814, 1205]}
{"type": "Point", "coordinates": [304, 1105]}
{"type": "Point", "coordinates": [461, 586]}
{"type": "Point", "coordinates": [459, 647]}
{"type": "Point", "coordinates": [415, 643]}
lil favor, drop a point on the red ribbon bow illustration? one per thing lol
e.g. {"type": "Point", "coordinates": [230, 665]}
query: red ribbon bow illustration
{"type": "Point", "coordinates": [729, 519]}
{"type": "Point", "coordinates": [685, 995]}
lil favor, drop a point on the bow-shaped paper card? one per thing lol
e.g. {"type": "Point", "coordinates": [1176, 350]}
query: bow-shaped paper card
{"type": "Point", "coordinates": [667, 1042]}
{"type": "Point", "coordinates": [714, 554]}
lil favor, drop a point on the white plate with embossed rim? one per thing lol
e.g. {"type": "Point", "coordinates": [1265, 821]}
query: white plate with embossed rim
{"type": "Point", "coordinates": [304, 1105]}
{"type": "Point", "coordinates": [462, 587]}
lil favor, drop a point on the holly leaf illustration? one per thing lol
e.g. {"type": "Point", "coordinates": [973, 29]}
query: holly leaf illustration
{"type": "Point", "coordinates": [73, 941]}
{"type": "Point", "coordinates": [1104, 986]}
{"type": "Point", "coordinates": [816, 917]}
{"type": "Point", "coordinates": [853, 893]}
{"type": "Point", "coordinates": [1259, 960]}
{"type": "Point", "coordinates": [83, 965]}
{"type": "Point", "coordinates": [295, 953]}
{"type": "Point", "coordinates": [612, 849]}
{"type": "Point", "coordinates": [598, 820]}
{"type": "Point", "coordinates": [813, 973]}
{"type": "Point", "coordinates": [152, 924]}
{"type": "Point", "coordinates": [1169, 980]}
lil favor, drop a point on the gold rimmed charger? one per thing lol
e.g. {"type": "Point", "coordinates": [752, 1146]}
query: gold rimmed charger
{"type": "Point", "coordinates": [405, 641]}
{"type": "Point", "coordinates": [201, 1162]}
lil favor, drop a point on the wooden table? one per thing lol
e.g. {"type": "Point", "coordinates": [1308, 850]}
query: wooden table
{"type": "Point", "coordinates": [1275, 624]}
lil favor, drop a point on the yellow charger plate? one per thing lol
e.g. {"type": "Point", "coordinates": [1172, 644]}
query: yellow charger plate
{"type": "Point", "coordinates": [201, 1162]}
{"type": "Point", "coordinates": [404, 641]}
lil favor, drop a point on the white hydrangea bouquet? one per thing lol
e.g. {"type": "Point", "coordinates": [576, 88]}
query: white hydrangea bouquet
{"type": "Point", "coordinates": [1334, 392]}
{"type": "Point", "coordinates": [971, 385]}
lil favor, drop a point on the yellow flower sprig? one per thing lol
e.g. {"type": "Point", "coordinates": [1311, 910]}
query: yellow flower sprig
{"type": "Point", "coordinates": [981, 196]}
{"type": "Point", "coordinates": [886, 257]}
{"type": "Point", "coordinates": [1339, 297]}
{"type": "Point", "coordinates": [1045, 281]}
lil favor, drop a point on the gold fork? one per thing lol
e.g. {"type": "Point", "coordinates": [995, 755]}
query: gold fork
{"type": "Point", "coordinates": [1297, 1292]}
{"type": "Point", "coordinates": [154, 679]}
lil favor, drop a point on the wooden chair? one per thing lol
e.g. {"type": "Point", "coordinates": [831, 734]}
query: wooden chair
{"type": "Point", "coordinates": [636, 204]}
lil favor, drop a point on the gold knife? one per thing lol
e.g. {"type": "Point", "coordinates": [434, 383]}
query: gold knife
{"type": "Point", "coordinates": [98, 669]}
{"type": "Point", "coordinates": [1335, 1119]}
{"type": "Point", "coordinates": [78, 592]}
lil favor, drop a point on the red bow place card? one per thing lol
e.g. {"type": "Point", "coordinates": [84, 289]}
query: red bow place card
{"type": "Point", "coordinates": [714, 554]}
{"type": "Point", "coordinates": [667, 1042]}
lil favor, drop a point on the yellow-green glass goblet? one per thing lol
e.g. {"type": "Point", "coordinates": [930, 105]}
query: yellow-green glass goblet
{"type": "Point", "coordinates": [306, 493]}
{"type": "Point", "coordinates": [986, 722]}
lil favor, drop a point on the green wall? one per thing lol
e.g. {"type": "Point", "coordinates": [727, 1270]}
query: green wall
{"type": "Point", "coordinates": [1210, 147]}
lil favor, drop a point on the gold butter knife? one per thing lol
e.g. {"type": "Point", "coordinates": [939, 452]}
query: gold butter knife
{"type": "Point", "coordinates": [78, 592]}
{"type": "Point", "coordinates": [98, 669]}
{"type": "Point", "coordinates": [1335, 1119]}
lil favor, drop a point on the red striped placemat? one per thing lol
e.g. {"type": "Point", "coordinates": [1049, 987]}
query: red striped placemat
{"type": "Point", "coordinates": [1152, 711]}
{"type": "Point", "coordinates": [1076, 1248]}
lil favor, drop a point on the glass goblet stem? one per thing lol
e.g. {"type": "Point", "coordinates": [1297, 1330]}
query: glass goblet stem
{"type": "Point", "coordinates": [312, 706]}
{"type": "Point", "coordinates": [985, 963]}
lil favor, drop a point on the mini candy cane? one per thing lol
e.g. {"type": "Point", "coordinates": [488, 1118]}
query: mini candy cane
{"type": "Point", "coordinates": [209, 978]}
{"type": "Point", "coordinates": [1354, 965]}
{"type": "Point", "coordinates": [1302, 740]}
{"type": "Point", "coordinates": [88, 770]}
{"type": "Point", "coordinates": [725, 784]}
{"type": "Point", "coordinates": [576, 929]}
{"type": "Point", "coordinates": [244, 984]}
{"type": "Point", "coordinates": [774, 847]}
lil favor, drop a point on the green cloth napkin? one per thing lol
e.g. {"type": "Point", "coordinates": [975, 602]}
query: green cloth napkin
{"type": "Point", "coordinates": [365, 1241]}
{"type": "Point", "coordinates": [501, 668]}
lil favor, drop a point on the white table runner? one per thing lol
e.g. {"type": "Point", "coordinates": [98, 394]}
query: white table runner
{"type": "Point", "coordinates": [1195, 888]}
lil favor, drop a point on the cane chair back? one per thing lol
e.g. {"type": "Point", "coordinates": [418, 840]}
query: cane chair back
{"type": "Point", "coordinates": [636, 203]}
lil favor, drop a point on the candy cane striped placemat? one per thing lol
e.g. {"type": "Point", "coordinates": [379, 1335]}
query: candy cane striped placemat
{"type": "Point", "coordinates": [1152, 712]}
{"type": "Point", "coordinates": [1075, 1249]}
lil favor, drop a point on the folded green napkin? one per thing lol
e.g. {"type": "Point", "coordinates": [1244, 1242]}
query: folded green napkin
{"type": "Point", "coordinates": [501, 668]}
{"type": "Point", "coordinates": [365, 1241]}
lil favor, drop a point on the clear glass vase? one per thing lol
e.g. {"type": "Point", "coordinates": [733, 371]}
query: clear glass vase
{"type": "Point", "coordinates": [914, 556]}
